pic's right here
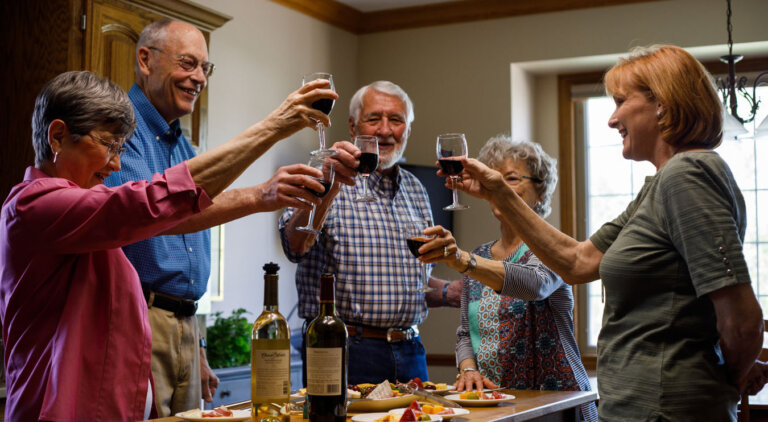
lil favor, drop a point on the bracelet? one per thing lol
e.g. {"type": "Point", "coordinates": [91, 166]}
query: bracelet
{"type": "Point", "coordinates": [445, 294]}
{"type": "Point", "coordinates": [464, 371]}
{"type": "Point", "coordinates": [471, 265]}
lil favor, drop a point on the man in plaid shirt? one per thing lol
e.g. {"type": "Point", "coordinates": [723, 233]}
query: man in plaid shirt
{"type": "Point", "coordinates": [364, 245]}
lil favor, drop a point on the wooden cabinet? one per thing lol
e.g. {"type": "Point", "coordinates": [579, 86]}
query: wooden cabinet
{"type": "Point", "coordinates": [45, 38]}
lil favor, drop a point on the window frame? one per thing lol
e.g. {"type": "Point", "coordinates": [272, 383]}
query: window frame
{"type": "Point", "coordinates": [572, 200]}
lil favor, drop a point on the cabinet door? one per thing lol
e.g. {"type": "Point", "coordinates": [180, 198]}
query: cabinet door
{"type": "Point", "coordinates": [112, 34]}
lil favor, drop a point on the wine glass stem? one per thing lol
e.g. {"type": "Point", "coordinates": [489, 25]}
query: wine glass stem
{"type": "Point", "coordinates": [311, 221]}
{"type": "Point", "coordinates": [321, 134]}
{"type": "Point", "coordinates": [455, 193]}
{"type": "Point", "coordinates": [365, 184]}
{"type": "Point", "coordinates": [424, 280]}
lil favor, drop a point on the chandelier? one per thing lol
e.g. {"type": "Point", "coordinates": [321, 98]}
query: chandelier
{"type": "Point", "coordinates": [730, 86]}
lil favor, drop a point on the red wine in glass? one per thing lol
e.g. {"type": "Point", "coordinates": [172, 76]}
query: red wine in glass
{"type": "Point", "coordinates": [368, 163]}
{"type": "Point", "coordinates": [415, 243]}
{"type": "Point", "coordinates": [325, 105]}
{"type": "Point", "coordinates": [326, 185]}
{"type": "Point", "coordinates": [451, 167]}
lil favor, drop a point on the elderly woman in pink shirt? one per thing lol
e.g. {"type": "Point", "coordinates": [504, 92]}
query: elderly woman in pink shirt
{"type": "Point", "coordinates": [75, 328]}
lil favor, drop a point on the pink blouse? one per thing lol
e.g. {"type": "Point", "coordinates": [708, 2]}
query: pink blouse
{"type": "Point", "coordinates": [75, 326]}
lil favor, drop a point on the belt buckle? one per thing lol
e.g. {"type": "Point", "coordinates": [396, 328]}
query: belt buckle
{"type": "Point", "coordinates": [389, 334]}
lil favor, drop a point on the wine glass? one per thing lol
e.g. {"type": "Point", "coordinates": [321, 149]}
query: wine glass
{"type": "Point", "coordinates": [325, 105]}
{"type": "Point", "coordinates": [413, 230]}
{"type": "Point", "coordinates": [369, 161]}
{"type": "Point", "coordinates": [451, 148]}
{"type": "Point", "coordinates": [325, 165]}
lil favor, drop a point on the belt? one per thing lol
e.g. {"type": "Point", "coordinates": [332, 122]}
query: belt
{"type": "Point", "coordinates": [391, 335]}
{"type": "Point", "coordinates": [180, 307]}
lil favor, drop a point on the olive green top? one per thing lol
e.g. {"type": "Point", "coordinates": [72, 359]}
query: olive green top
{"type": "Point", "coordinates": [678, 241]}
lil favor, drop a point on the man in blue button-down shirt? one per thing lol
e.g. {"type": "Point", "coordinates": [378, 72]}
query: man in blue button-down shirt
{"type": "Point", "coordinates": [171, 71]}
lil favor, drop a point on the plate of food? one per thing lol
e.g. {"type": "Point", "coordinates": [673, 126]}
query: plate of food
{"type": "Point", "coordinates": [440, 388]}
{"type": "Point", "coordinates": [376, 397]}
{"type": "Point", "coordinates": [479, 398]}
{"type": "Point", "coordinates": [219, 414]}
{"type": "Point", "coordinates": [435, 410]}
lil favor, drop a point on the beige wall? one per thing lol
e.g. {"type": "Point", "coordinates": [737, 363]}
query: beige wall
{"type": "Point", "coordinates": [479, 78]}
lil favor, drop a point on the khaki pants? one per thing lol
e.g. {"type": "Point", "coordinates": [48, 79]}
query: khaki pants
{"type": "Point", "coordinates": [175, 362]}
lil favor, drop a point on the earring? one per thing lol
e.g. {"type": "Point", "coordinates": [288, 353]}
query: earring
{"type": "Point", "coordinates": [55, 156]}
{"type": "Point", "coordinates": [658, 114]}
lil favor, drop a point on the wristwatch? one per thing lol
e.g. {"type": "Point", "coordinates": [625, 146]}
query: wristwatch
{"type": "Point", "coordinates": [471, 265]}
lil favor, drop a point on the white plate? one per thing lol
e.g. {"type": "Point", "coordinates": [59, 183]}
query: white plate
{"type": "Point", "coordinates": [379, 405]}
{"type": "Point", "coordinates": [457, 411]}
{"type": "Point", "coordinates": [196, 415]}
{"type": "Point", "coordinates": [478, 403]}
{"type": "Point", "coordinates": [440, 391]}
{"type": "Point", "coordinates": [368, 417]}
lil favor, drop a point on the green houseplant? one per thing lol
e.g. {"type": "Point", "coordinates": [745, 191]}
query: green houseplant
{"type": "Point", "coordinates": [229, 340]}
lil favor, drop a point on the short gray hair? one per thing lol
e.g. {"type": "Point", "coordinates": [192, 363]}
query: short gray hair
{"type": "Point", "coordinates": [152, 35]}
{"type": "Point", "coordinates": [84, 101]}
{"type": "Point", "coordinates": [500, 148]}
{"type": "Point", "coordinates": [387, 87]}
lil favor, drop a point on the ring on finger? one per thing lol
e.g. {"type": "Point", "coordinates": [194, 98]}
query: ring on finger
{"type": "Point", "coordinates": [445, 251]}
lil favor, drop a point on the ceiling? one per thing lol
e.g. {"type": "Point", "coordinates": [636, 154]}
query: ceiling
{"type": "Point", "coordinates": [367, 16]}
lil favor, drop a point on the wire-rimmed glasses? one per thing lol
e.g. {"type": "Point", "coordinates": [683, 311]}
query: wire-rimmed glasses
{"type": "Point", "coordinates": [325, 165]}
{"type": "Point", "coordinates": [114, 147]}
{"type": "Point", "coordinates": [451, 148]}
{"type": "Point", "coordinates": [369, 161]}
{"type": "Point", "coordinates": [189, 63]}
{"type": "Point", "coordinates": [325, 105]}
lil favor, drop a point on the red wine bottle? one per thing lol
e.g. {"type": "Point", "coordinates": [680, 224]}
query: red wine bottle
{"type": "Point", "coordinates": [327, 360]}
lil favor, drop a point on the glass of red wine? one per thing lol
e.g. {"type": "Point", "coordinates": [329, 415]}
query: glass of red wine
{"type": "Point", "coordinates": [325, 105]}
{"type": "Point", "coordinates": [325, 165]}
{"type": "Point", "coordinates": [369, 161]}
{"type": "Point", "coordinates": [415, 237]}
{"type": "Point", "coordinates": [451, 148]}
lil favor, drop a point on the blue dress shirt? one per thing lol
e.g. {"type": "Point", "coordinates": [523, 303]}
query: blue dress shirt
{"type": "Point", "coordinates": [177, 265]}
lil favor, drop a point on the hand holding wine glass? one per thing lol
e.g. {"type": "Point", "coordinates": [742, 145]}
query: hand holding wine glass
{"type": "Point", "coordinates": [369, 161]}
{"type": "Point", "coordinates": [325, 165]}
{"type": "Point", "coordinates": [325, 105]}
{"type": "Point", "coordinates": [413, 230]}
{"type": "Point", "coordinates": [451, 148]}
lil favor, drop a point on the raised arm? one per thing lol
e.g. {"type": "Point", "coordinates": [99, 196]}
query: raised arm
{"type": "Point", "coordinates": [218, 168]}
{"type": "Point", "coordinates": [577, 262]}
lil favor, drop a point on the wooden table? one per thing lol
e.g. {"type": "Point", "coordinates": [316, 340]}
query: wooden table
{"type": "Point", "coordinates": [528, 405]}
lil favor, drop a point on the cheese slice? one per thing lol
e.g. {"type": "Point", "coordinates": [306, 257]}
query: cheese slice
{"type": "Point", "coordinates": [382, 391]}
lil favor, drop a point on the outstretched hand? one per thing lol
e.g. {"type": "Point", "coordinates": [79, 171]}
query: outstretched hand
{"type": "Point", "coordinates": [477, 179]}
{"type": "Point", "coordinates": [288, 185]}
{"type": "Point", "coordinates": [296, 112]}
{"type": "Point", "coordinates": [346, 162]}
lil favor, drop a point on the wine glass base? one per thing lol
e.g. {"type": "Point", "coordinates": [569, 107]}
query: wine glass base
{"type": "Point", "coordinates": [455, 207]}
{"type": "Point", "coordinates": [324, 153]}
{"type": "Point", "coordinates": [366, 198]}
{"type": "Point", "coordinates": [308, 229]}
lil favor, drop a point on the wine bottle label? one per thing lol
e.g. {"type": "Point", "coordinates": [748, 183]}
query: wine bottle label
{"type": "Point", "coordinates": [271, 373]}
{"type": "Point", "coordinates": [324, 371]}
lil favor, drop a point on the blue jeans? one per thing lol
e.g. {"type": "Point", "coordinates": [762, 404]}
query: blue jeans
{"type": "Point", "coordinates": [374, 360]}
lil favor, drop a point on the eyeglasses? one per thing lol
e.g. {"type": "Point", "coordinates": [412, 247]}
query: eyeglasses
{"type": "Point", "coordinates": [189, 63]}
{"type": "Point", "coordinates": [515, 179]}
{"type": "Point", "coordinates": [114, 148]}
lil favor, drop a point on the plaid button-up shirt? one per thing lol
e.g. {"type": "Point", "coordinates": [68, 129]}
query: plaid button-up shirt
{"type": "Point", "coordinates": [364, 245]}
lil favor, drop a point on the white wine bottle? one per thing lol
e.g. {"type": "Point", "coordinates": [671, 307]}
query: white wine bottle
{"type": "Point", "coordinates": [270, 355]}
{"type": "Point", "coordinates": [327, 360]}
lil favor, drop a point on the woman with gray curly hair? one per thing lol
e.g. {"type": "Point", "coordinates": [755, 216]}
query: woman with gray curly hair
{"type": "Point", "coordinates": [516, 314]}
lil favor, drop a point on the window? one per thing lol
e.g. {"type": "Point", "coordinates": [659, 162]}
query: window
{"type": "Point", "coordinates": [604, 183]}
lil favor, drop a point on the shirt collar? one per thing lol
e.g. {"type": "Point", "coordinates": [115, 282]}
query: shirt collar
{"type": "Point", "coordinates": [147, 112]}
{"type": "Point", "coordinates": [387, 185]}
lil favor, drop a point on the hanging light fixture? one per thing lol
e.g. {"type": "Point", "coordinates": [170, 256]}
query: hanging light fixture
{"type": "Point", "coordinates": [733, 123]}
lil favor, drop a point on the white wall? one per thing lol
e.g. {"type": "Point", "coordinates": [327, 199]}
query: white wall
{"type": "Point", "coordinates": [459, 78]}
{"type": "Point", "coordinates": [260, 56]}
